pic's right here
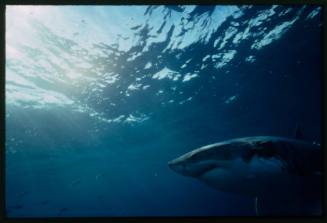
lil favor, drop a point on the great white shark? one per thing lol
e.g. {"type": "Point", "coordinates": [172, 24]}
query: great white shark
{"type": "Point", "coordinates": [284, 175]}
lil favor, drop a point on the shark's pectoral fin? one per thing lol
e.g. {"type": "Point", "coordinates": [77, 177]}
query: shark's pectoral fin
{"type": "Point", "coordinates": [256, 205]}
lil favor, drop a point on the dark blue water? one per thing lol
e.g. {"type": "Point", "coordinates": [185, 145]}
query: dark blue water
{"type": "Point", "coordinates": [99, 99]}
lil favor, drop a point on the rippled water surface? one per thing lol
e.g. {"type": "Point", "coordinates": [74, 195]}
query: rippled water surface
{"type": "Point", "coordinates": [100, 98]}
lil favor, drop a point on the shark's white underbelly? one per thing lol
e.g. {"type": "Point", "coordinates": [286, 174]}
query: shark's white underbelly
{"type": "Point", "coordinates": [277, 191]}
{"type": "Point", "coordinates": [260, 177]}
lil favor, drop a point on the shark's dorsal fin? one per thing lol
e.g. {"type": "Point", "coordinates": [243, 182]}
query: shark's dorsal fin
{"type": "Point", "coordinates": [298, 132]}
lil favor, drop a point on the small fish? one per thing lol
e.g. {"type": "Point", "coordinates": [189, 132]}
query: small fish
{"type": "Point", "coordinates": [62, 210]}
{"type": "Point", "coordinates": [78, 181]}
{"type": "Point", "coordinates": [98, 176]}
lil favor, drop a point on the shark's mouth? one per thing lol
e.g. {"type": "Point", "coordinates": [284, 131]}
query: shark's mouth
{"type": "Point", "coordinates": [206, 169]}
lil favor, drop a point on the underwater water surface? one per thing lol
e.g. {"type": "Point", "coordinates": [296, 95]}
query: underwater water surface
{"type": "Point", "coordinates": [100, 98]}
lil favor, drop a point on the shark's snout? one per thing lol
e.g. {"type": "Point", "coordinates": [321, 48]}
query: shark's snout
{"type": "Point", "coordinates": [179, 166]}
{"type": "Point", "coordinates": [187, 167]}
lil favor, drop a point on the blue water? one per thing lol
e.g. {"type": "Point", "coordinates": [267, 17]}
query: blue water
{"type": "Point", "coordinates": [100, 98]}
